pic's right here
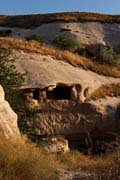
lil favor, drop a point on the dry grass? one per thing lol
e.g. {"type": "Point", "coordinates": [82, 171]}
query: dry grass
{"type": "Point", "coordinates": [104, 167]}
{"type": "Point", "coordinates": [75, 160]}
{"type": "Point", "coordinates": [74, 59]}
{"type": "Point", "coordinates": [106, 90]}
{"type": "Point", "coordinates": [30, 21]}
{"type": "Point", "coordinates": [22, 161]}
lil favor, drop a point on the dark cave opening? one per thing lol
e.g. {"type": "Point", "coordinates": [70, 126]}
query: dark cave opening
{"type": "Point", "coordinates": [60, 93]}
{"type": "Point", "coordinates": [36, 94]}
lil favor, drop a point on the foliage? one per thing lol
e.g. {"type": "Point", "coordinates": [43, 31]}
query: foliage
{"type": "Point", "coordinates": [103, 54]}
{"type": "Point", "coordinates": [34, 37]}
{"type": "Point", "coordinates": [107, 55]}
{"type": "Point", "coordinates": [10, 79]}
{"type": "Point", "coordinates": [65, 42]}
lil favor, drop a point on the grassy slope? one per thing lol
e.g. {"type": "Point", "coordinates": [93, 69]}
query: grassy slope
{"type": "Point", "coordinates": [38, 19]}
{"type": "Point", "coordinates": [74, 59]}
{"type": "Point", "coordinates": [106, 90]}
{"type": "Point", "coordinates": [22, 160]}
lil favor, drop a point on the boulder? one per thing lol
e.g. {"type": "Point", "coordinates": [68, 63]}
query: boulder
{"type": "Point", "coordinates": [55, 144]}
{"type": "Point", "coordinates": [8, 119]}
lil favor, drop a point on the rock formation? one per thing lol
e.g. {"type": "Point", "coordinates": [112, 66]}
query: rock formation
{"type": "Point", "coordinates": [49, 112]}
{"type": "Point", "coordinates": [84, 32]}
{"type": "Point", "coordinates": [8, 119]}
{"type": "Point", "coordinates": [56, 92]}
{"type": "Point", "coordinates": [55, 144]}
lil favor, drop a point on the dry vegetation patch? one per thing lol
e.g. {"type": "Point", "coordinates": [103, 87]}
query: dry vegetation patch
{"type": "Point", "coordinates": [106, 90]}
{"type": "Point", "coordinates": [106, 167]}
{"type": "Point", "coordinates": [30, 21]}
{"type": "Point", "coordinates": [75, 160]}
{"type": "Point", "coordinates": [22, 160]}
{"type": "Point", "coordinates": [74, 59]}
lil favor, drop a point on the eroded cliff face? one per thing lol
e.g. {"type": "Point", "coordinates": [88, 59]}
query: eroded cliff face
{"type": "Point", "coordinates": [73, 116]}
{"type": "Point", "coordinates": [85, 32]}
{"type": "Point", "coordinates": [74, 120]}
{"type": "Point", "coordinates": [8, 119]}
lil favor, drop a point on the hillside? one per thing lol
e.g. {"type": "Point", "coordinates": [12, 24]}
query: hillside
{"type": "Point", "coordinates": [67, 56]}
{"type": "Point", "coordinates": [34, 20]}
{"type": "Point", "coordinates": [79, 71]}
{"type": "Point", "coordinates": [86, 28]}
{"type": "Point", "coordinates": [82, 80]}
{"type": "Point", "coordinates": [61, 75]}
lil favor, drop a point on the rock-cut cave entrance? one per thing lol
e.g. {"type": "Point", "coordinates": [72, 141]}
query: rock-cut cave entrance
{"type": "Point", "coordinates": [60, 93]}
{"type": "Point", "coordinates": [36, 94]}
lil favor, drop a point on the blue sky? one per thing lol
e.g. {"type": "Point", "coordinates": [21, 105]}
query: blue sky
{"type": "Point", "coordinates": [49, 6]}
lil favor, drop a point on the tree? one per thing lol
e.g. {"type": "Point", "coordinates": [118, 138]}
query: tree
{"type": "Point", "coordinates": [10, 79]}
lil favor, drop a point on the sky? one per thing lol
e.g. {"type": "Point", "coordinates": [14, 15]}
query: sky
{"type": "Point", "coordinates": [50, 6]}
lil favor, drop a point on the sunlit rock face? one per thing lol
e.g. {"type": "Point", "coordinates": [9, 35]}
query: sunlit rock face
{"type": "Point", "coordinates": [56, 98]}
{"type": "Point", "coordinates": [8, 119]}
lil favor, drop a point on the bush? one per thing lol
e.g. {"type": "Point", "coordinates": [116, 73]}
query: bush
{"type": "Point", "coordinates": [106, 55]}
{"type": "Point", "coordinates": [65, 42]}
{"type": "Point", "coordinates": [34, 37]}
{"type": "Point", "coordinates": [10, 79]}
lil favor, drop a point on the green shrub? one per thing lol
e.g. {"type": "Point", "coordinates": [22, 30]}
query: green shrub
{"type": "Point", "coordinates": [106, 55]}
{"type": "Point", "coordinates": [65, 42]}
{"type": "Point", "coordinates": [10, 79]}
{"type": "Point", "coordinates": [34, 37]}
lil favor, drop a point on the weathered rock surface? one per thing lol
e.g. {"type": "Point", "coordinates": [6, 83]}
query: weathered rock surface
{"type": "Point", "coordinates": [85, 32]}
{"type": "Point", "coordinates": [44, 71]}
{"type": "Point", "coordinates": [76, 121]}
{"type": "Point", "coordinates": [8, 119]}
{"type": "Point", "coordinates": [55, 144]}
{"type": "Point", "coordinates": [70, 118]}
